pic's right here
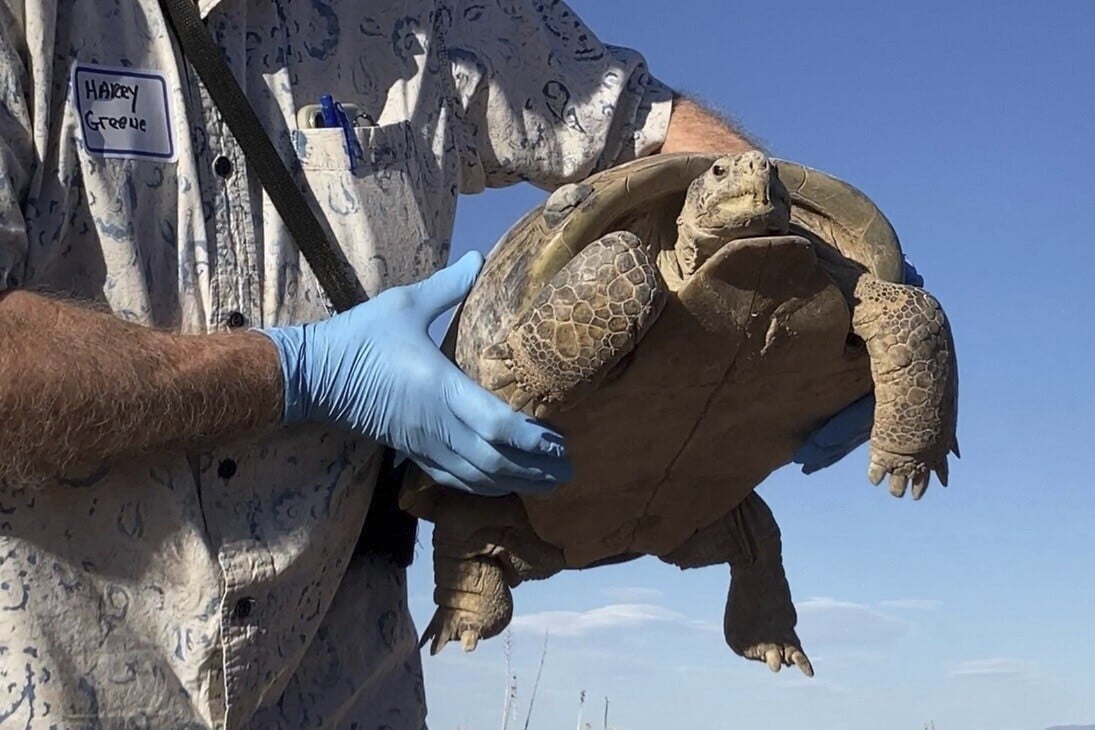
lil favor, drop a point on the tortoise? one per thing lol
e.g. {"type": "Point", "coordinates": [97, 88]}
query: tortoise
{"type": "Point", "coordinates": [686, 320]}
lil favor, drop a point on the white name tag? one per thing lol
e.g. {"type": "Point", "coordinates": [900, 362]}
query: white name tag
{"type": "Point", "coordinates": [124, 112]}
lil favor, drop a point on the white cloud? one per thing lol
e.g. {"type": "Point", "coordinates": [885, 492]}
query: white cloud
{"type": "Point", "coordinates": [829, 621]}
{"type": "Point", "coordinates": [706, 625]}
{"type": "Point", "coordinates": [580, 623]}
{"type": "Point", "coordinates": [994, 667]}
{"type": "Point", "coordinates": [917, 604]}
{"type": "Point", "coordinates": [822, 621]}
{"type": "Point", "coordinates": [632, 594]}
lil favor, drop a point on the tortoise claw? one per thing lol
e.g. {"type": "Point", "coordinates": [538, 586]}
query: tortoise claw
{"type": "Point", "coordinates": [920, 484]}
{"type": "Point", "coordinates": [445, 626]}
{"type": "Point", "coordinates": [499, 351]}
{"type": "Point", "coordinates": [905, 470]}
{"type": "Point", "coordinates": [436, 634]}
{"type": "Point", "coordinates": [499, 380]}
{"type": "Point", "coordinates": [519, 399]}
{"type": "Point", "coordinates": [495, 371]}
{"type": "Point", "coordinates": [876, 473]}
{"type": "Point", "coordinates": [778, 655]}
{"type": "Point", "coordinates": [469, 639]}
{"type": "Point", "coordinates": [800, 660]}
{"type": "Point", "coordinates": [898, 484]}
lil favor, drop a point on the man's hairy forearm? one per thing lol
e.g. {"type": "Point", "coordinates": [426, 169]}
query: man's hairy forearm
{"type": "Point", "coordinates": [78, 388]}
{"type": "Point", "coordinates": [694, 128]}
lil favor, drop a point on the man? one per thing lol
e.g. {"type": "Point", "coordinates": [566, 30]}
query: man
{"type": "Point", "coordinates": [184, 470]}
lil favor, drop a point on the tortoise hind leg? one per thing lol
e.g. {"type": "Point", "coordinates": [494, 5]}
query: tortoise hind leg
{"type": "Point", "coordinates": [915, 375]}
{"type": "Point", "coordinates": [580, 326]}
{"type": "Point", "coordinates": [473, 601]}
{"type": "Point", "coordinates": [483, 547]}
{"type": "Point", "coordinates": [760, 618]}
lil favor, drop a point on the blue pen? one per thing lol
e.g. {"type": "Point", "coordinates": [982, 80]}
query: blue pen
{"type": "Point", "coordinates": [333, 117]}
{"type": "Point", "coordinates": [330, 113]}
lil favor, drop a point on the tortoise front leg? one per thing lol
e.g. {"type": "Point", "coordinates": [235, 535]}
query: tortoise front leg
{"type": "Point", "coordinates": [760, 618]}
{"type": "Point", "coordinates": [915, 373]}
{"type": "Point", "coordinates": [580, 326]}
{"type": "Point", "coordinates": [483, 547]}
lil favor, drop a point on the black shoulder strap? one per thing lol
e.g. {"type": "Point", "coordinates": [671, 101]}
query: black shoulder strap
{"type": "Point", "coordinates": [388, 532]}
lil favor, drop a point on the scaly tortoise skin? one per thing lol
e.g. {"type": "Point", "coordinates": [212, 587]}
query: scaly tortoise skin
{"type": "Point", "coordinates": [686, 320]}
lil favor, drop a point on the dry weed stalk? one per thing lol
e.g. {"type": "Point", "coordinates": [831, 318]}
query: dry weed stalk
{"type": "Point", "coordinates": [536, 684]}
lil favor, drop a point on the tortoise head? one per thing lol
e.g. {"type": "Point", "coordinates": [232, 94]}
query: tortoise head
{"type": "Point", "coordinates": [738, 197]}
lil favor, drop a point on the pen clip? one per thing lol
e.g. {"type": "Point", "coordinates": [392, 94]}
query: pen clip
{"type": "Point", "coordinates": [353, 147]}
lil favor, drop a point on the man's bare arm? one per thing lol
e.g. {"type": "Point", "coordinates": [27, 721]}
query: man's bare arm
{"type": "Point", "coordinates": [694, 128]}
{"type": "Point", "coordinates": [78, 388]}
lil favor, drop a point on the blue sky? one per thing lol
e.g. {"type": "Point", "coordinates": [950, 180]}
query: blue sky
{"type": "Point", "coordinates": [970, 123]}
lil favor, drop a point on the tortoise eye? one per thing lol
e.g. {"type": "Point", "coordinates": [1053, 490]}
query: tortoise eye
{"type": "Point", "coordinates": [718, 171]}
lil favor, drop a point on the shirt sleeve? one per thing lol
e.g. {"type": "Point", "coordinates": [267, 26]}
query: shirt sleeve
{"type": "Point", "coordinates": [16, 154]}
{"type": "Point", "coordinates": [540, 98]}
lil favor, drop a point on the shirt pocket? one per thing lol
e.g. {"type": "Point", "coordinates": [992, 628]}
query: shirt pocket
{"type": "Point", "coordinates": [376, 209]}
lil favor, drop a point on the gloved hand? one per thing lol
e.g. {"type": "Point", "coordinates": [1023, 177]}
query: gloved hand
{"type": "Point", "coordinates": [848, 430]}
{"type": "Point", "coordinates": [375, 370]}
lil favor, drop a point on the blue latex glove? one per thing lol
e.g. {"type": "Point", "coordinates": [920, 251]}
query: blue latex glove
{"type": "Point", "coordinates": [848, 430]}
{"type": "Point", "coordinates": [375, 370]}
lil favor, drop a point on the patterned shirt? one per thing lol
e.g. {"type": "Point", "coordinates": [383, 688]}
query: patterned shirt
{"type": "Point", "coordinates": [221, 588]}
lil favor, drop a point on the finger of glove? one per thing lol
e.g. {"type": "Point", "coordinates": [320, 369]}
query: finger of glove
{"type": "Point", "coordinates": [821, 461]}
{"type": "Point", "coordinates": [912, 276]}
{"type": "Point", "coordinates": [815, 459]}
{"type": "Point", "coordinates": [448, 468]}
{"type": "Point", "coordinates": [837, 437]}
{"type": "Point", "coordinates": [447, 479]}
{"type": "Point", "coordinates": [446, 288]}
{"type": "Point", "coordinates": [851, 426]}
{"type": "Point", "coordinates": [500, 461]}
{"type": "Point", "coordinates": [495, 422]}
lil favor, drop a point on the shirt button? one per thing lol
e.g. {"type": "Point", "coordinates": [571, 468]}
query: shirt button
{"type": "Point", "coordinates": [236, 320]}
{"type": "Point", "coordinates": [243, 608]}
{"type": "Point", "coordinates": [222, 166]}
{"type": "Point", "coordinates": [226, 469]}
